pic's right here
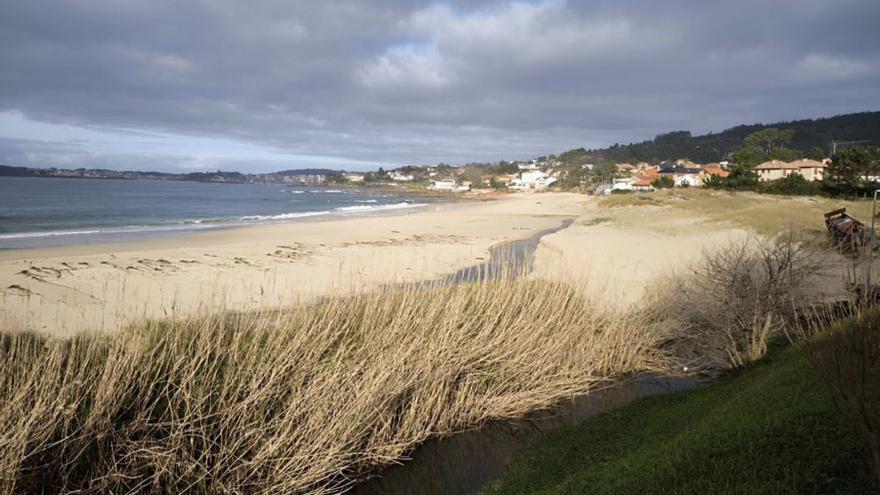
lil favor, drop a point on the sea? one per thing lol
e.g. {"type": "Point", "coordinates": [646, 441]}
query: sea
{"type": "Point", "coordinates": [44, 212]}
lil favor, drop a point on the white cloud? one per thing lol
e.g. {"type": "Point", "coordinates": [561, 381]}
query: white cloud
{"type": "Point", "coordinates": [821, 67]}
{"type": "Point", "coordinates": [408, 66]}
{"type": "Point", "coordinates": [448, 46]}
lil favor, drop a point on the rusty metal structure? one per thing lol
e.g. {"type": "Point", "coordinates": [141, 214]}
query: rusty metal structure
{"type": "Point", "coordinates": [845, 230]}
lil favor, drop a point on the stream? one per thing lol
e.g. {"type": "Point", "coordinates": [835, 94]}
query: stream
{"type": "Point", "coordinates": [464, 463]}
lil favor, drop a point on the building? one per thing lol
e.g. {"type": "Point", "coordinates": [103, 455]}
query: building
{"type": "Point", "coordinates": [811, 170]}
{"type": "Point", "coordinates": [353, 177]}
{"type": "Point", "coordinates": [531, 179]}
{"type": "Point", "coordinates": [544, 183]}
{"type": "Point", "coordinates": [642, 183]}
{"type": "Point", "coordinates": [401, 177]}
{"type": "Point", "coordinates": [444, 185]}
{"type": "Point", "coordinates": [625, 168]}
{"type": "Point", "coordinates": [710, 170]}
{"type": "Point", "coordinates": [683, 176]}
{"type": "Point", "coordinates": [620, 184]}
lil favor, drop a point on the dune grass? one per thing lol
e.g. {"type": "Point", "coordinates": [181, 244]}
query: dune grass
{"type": "Point", "coordinates": [763, 213]}
{"type": "Point", "coordinates": [771, 430]}
{"type": "Point", "coordinates": [304, 400]}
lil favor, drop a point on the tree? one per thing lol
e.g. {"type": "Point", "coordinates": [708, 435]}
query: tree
{"type": "Point", "coordinates": [504, 167]}
{"type": "Point", "coordinates": [749, 156]}
{"type": "Point", "coordinates": [714, 182]}
{"type": "Point", "coordinates": [664, 182]}
{"type": "Point", "coordinates": [741, 177]}
{"type": "Point", "coordinates": [766, 144]}
{"type": "Point", "coordinates": [769, 139]}
{"type": "Point", "coordinates": [604, 172]}
{"type": "Point", "coordinates": [793, 184]}
{"type": "Point", "coordinates": [849, 169]}
{"type": "Point", "coordinates": [474, 175]}
{"type": "Point", "coordinates": [816, 153]}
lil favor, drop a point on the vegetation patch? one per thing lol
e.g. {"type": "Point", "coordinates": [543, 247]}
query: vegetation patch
{"type": "Point", "coordinates": [305, 400]}
{"type": "Point", "coordinates": [592, 222]}
{"type": "Point", "coordinates": [764, 214]}
{"type": "Point", "coordinates": [773, 429]}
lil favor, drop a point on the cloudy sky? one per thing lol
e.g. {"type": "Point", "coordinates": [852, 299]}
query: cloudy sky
{"type": "Point", "coordinates": [267, 85]}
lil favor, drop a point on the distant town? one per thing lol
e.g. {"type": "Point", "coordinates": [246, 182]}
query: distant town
{"type": "Point", "coordinates": [528, 175]}
{"type": "Point", "coordinates": [740, 157]}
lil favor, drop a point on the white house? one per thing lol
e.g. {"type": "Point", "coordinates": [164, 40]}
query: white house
{"type": "Point", "coordinates": [688, 179]}
{"type": "Point", "coordinates": [443, 185]}
{"type": "Point", "coordinates": [529, 179]}
{"type": "Point", "coordinates": [353, 177]}
{"type": "Point", "coordinates": [544, 183]}
{"type": "Point", "coordinates": [683, 176]}
{"type": "Point", "coordinates": [622, 184]}
{"type": "Point", "coordinates": [401, 177]}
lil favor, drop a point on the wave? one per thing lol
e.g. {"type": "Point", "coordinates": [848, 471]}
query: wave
{"type": "Point", "coordinates": [126, 229]}
{"type": "Point", "coordinates": [366, 201]}
{"type": "Point", "coordinates": [283, 216]}
{"type": "Point", "coordinates": [365, 208]}
{"type": "Point", "coordinates": [210, 223]}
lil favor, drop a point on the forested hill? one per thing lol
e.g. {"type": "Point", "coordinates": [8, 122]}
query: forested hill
{"type": "Point", "coordinates": [809, 134]}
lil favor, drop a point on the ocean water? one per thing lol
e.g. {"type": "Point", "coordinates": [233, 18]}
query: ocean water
{"type": "Point", "coordinates": [40, 212]}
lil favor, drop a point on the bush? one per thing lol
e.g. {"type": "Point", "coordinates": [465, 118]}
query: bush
{"type": "Point", "coordinates": [664, 182]}
{"type": "Point", "coordinates": [792, 185]}
{"type": "Point", "coordinates": [722, 314]}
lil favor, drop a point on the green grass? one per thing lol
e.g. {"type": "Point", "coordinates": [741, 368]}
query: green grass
{"type": "Point", "coordinates": [771, 429]}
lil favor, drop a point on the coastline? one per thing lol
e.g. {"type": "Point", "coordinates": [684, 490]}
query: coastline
{"type": "Point", "coordinates": [101, 287]}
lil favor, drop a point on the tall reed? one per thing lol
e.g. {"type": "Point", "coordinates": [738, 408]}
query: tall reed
{"type": "Point", "coordinates": [304, 400]}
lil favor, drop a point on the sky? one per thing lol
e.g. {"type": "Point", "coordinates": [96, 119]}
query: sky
{"type": "Point", "coordinates": [258, 86]}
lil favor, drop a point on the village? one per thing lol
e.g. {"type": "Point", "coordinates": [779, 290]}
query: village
{"type": "Point", "coordinates": [543, 174]}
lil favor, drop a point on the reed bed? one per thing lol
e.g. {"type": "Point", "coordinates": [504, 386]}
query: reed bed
{"type": "Point", "coordinates": [308, 399]}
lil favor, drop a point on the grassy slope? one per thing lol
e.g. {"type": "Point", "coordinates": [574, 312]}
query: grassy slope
{"type": "Point", "coordinates": [765, 214]}
{"type": "Point", "coordinates": [770, 430]}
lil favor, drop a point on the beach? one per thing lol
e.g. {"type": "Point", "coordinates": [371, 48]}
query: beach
{"type": "Point", "coordinates": [103, 287]}
{"type": "Point", "coordinates": [617, 252]}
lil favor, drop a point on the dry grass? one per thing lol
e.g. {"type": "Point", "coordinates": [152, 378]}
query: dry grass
{"type": "Point", "coordinates": [762, 213]}
{"type": "Point", "coordinates": [723, 312]}
{"type": "Point", "coordinates": [305, 400]}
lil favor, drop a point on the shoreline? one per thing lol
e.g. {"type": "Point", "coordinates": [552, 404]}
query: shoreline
{"type": "Point", "coordinates": [101, 287]}
{"type": "Point", "coordinates": [163, 238]}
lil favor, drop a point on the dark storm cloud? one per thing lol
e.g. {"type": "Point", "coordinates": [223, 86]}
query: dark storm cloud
{"type": "Point", "coordinates": [413, 81]}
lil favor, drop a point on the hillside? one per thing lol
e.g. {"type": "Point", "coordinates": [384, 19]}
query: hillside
{"type": "Point", "coordinates": [773, 429]}
{"type": "Point", "coordinates": [809, 134]}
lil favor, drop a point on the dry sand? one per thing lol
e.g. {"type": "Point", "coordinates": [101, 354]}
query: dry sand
{"type": "Point", "coordinates": [100, 287]}
{"type": "Point", "coordinates": [614, 252]}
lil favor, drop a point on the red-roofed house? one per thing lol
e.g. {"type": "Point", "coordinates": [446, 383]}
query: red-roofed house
{"type": "Point", "coordinates": [777, 169]}
{"type": "Point", "coordinates": [712, 169]}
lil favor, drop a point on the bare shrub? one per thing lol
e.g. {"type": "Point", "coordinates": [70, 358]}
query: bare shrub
{"type": "Point", "coordinates": [304, 400]}
{"type": "Point", "coordinates": [722, 313]}
{"type": "Point", "coordinates": [847, 358]}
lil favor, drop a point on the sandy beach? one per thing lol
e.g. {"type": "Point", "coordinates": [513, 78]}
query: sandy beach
{"type": "Point", "coordinates": [616, 252]}
{"type": "Point", "coordinates": [101, 287]}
